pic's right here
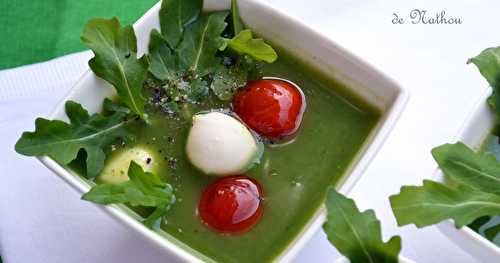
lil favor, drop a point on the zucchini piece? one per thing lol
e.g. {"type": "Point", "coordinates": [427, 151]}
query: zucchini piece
{"type": "Point", "coordinates": [116, 168]}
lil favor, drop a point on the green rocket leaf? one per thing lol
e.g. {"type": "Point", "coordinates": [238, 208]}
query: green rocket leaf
{"type": "Point", "coordinates": [162, 58]}
{"type": "Point", "coordinates": [143, 189]}
{"type": "Point", "coordinates": [357, 235]}
{"type": "Point", "coordinates": [237, 24]}
{"type": "Point", "coordinates": [116, 61]}
{"type": "Point", "coordinates": [461, 164]}
{"type": "Point", "coordinates": [62, 141]}
{"type": "Point", "coordinates": [175, 15]}
{"type": "Point", "coordinates": [434, 202]}
{"type": "Point", "coordinates": [244, 44]}
{"type": "Point", "coordinates": [201, 41]}
{"type": "Point", "coordinates": [488, 63]}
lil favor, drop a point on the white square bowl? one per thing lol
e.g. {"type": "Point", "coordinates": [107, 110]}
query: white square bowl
{"type": "Point", "coordinates": [475, 130]}
{"type": "Point", "coordinates": [313, 48]}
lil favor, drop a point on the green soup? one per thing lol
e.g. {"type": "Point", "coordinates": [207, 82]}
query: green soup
{"type": "Point", "coordinates": [294, 177]}
{"type": "Point", "coordinates": [489, 227]}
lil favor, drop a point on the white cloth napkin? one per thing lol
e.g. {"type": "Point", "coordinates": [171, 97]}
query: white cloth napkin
{"type": "Point", "coordinates": [42, 220]}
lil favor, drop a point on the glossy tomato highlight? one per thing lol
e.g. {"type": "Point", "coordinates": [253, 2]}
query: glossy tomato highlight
{"type": "Point", "coordinates": [271, 107]}
{"type": "Point", "coordinates": [232, 204]}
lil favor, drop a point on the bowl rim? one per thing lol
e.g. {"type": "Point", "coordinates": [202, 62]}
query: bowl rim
{"type": "Point", "coordinates": [351, 176]}
{"type": "Point", "coordinates": [447, 227]}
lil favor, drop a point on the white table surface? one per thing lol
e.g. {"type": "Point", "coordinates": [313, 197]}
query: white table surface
{"type": "Point", "coordinates": [43, 220]}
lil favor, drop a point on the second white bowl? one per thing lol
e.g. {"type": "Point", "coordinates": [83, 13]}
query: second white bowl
{"type": "Point", "coordinates": [476, 129]}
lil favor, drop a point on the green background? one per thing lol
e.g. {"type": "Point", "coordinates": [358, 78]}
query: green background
{"type": "Point", "coordinates": [37, 30]}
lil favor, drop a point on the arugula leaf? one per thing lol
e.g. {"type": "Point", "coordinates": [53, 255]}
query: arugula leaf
{"type": "Point", "coordinates": [175, 15]}
{"type": "Point", "coordinates": [461, 164]}
{"type": "Point", "coordinates": [198, 90]}
{"type": "Point", "coordinates": [143, 189]}
{"type": "Point", "coordinates": [187, 70]}
{"type": "Point", "coordinates": [237, 24]}
{"type": "Point", "coordinates": [169, 107]}
{"type": "Point", "coordinates": [110, 106]}
{"type": "Point", "coordinates": [185, 57]}
{"type": "Point", "coordinates": [227, 81]}
{"type": "Point", "coordinates": [115, 60]}
{"type": "Point", "coordinates": [488, 63]}
{"type": "Point", "coordinates": [479, 222]}
{"type": "Point", "coordinates": [196, 52]}
{"type": "Point", "coordinates": [357, 235]}
{"type": "Point", "coordinates": [476, 194]}
{"type": "Point", "coordinates": [244, 44]}
{"type": "Point", "coordinates": [492, 231]}
{"type": "Point", "coordinates": [179, 91]}
{"type": "Point", "coordinates": [434, 202]}
{"type": "Point", "coordinates": [62, 141]}
{"type": "Point", "coordinates": [155, 217]}
{"type": "Point", "coordinates": [162, 59]}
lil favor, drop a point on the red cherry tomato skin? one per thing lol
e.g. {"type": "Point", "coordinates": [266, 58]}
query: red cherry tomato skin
{"type": "Point", "coordinates": [272, 108]}
{"type": "Point", "coordinates": [232, 204]}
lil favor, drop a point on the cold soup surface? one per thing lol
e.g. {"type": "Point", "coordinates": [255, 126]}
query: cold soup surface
{"type": "Point", "coordinates": [294, 177]}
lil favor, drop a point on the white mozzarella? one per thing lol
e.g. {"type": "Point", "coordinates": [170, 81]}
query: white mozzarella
{"type": "Point", "coordinates": [219, 144]}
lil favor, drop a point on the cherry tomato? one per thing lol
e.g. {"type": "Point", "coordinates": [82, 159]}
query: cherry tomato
{"type": "Point", "coordinates": [273, 108]}
{"type": "Point", "coordinates": [231, 204]}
